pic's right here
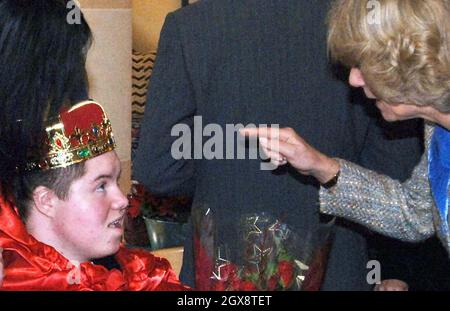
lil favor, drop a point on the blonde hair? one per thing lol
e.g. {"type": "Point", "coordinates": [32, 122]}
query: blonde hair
{"type": "Point", "coordinates": [401, 47]}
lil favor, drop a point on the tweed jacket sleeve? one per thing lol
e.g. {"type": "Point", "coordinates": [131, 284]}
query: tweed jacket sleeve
{"type": "Point", "coordinates": [400, 210]}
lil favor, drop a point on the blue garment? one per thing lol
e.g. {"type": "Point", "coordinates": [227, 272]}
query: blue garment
{"type": "Point", "coordinates": [439, 173]}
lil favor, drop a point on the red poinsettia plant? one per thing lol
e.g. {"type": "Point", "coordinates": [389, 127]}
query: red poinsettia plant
{"type": "Point", "coordinates": [142, 202]}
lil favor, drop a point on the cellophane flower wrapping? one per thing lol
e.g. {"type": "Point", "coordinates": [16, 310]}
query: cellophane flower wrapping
{"type": "Point", "coordinates": [269, 256]}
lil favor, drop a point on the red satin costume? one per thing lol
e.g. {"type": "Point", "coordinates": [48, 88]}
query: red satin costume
{"type": "Point", "coordinates": [32, 265]}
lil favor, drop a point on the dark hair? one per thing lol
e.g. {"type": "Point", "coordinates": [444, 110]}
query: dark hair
{"type": "Point", "coordinates": [42, 67]}
{"type": "Point", "coordinates": [59, 180]}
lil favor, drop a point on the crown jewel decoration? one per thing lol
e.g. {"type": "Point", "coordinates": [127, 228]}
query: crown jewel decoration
{"type": "Point", "coordinates": [78, 134]}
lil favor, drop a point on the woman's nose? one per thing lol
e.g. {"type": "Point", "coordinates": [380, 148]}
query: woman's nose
{"type": "Point", "coordinates": [356, 79]}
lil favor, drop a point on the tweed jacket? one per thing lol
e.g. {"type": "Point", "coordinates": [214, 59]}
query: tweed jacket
{"type": "Point", "coordinates": [405, 211]}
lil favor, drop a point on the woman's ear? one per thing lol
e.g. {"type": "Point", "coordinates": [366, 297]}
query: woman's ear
{"type": "Point", "coordinates": [45, 201]}
{"type": "Point", "coordinates": [356, 78]}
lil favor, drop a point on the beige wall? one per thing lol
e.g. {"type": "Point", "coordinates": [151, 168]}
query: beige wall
{"type": "Point", "coordinates": [109, 69]}
{"type": "Point", "coordinates": [118, 26]}
{"type": "Point", "coordinates": [148, 18]}
{"type": "Point", "coordinates": [105, 4]}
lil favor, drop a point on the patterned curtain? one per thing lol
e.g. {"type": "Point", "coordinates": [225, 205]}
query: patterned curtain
{"type": "Point", "coordinates": [142, 70]}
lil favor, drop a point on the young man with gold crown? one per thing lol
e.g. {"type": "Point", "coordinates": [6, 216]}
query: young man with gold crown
{"type": "Point", "coordinates": [67, 210]}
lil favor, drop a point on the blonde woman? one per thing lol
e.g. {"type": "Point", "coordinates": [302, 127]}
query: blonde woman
{"type": "Point", "coordinates": [399, 53]}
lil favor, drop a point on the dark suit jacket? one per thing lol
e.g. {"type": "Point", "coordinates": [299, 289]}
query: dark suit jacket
{"type": "Point", "coordinates": [261, 62]}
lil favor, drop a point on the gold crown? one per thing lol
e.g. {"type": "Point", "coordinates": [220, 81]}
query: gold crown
{"type": "Point", "coordinates": [78, 134]}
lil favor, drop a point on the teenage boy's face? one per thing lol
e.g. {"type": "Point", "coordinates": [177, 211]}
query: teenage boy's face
{"type": "Point", "coordinates": [89, 223]}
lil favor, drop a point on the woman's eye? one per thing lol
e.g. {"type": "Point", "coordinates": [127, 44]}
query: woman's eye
{"type": "Point", "coordinates": [101, 187]}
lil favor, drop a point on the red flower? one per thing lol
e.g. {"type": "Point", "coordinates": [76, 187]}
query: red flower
{"type": "Point", "coordinates": [286, 271]}
{"type": "Point", "coordinates": [247, 286]}
{"type": "Point", "coordinates": [134, 206]}
{"type": "Point", "coordinates": [139, 191]}
{"type": "Point", "coordinates": [235, 283]}
{"type": "Point", "coordinates": [273, 282]}
{"type": "Point", "coordinates": [220, 286]}
{"type": "Point", "coordinates": [228, 272]}
{"type": "Point", "coordinates": [229, 277]}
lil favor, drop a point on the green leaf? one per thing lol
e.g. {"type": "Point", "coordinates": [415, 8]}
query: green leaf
{"type": "Point", "coordinates": [271, 269]}
{"type": "Point", "coordinates": [253, 277]}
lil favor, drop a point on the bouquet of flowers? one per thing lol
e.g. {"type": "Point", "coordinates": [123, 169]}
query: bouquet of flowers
{"type": "Point", "coordinates": [269, 256]}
